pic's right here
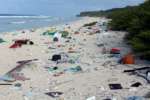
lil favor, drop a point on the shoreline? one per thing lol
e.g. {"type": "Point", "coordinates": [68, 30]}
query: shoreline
{"type": "Point", "coordinates": [51, 24]}
{"type": "Point", "coordinates": [64, 24]}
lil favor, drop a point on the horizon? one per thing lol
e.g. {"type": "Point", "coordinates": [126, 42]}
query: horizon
{"type": "Point", "coordinates": [60, 8]}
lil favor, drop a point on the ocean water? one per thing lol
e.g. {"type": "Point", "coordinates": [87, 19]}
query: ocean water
{"type": "Point", "coordinates": [60, 11]}
{"type": "Point", "coordinates": [13, 23]}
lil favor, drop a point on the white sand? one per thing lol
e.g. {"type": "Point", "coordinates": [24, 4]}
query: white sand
{"type": "Point", "coordinates": [98, 69]}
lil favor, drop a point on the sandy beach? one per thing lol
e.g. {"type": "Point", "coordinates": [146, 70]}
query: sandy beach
{"type": "Point", "coordinates": [82, 49]}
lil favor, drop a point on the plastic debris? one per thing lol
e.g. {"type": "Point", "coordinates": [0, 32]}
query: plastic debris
{"type": "Point", "coordinates": [135, 98]}
{"type": "Point", "coordinates": [55, 39]}
{"type": "Point", "coordinates": [137, 84]}
{"type": "Point", "coordinates": [54, 94]}
{"type": "Point", "coordinates": [50, 32]}
{"type": "Point", "coordinates": [64, 34]}
{"type": "Point", "coordinates": [57, 36]}
{"type": "Point", "coordinates": [19, 43]}
{"type": "Point", "coordinates": [1, 40]}
{"type": "Point", "coordinates": [74, 69]}
{"type": "Point", "coordinates": [128, 59]}
{"type": "Point", "coordinates": [17, 85]}
{"type": "Point", "coordinates": [91, 98]}
{"type": "Point", "coordinates": [115, 51]}
{"type": "Point", "coordinates": [115, 86]}
{"type": "Point", "coordinates": [51, 69]}
{"type": "Point", "coordinates": [56, 57]}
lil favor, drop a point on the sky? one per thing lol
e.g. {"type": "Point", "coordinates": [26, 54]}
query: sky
{"type": "Point", "coordinates": [60, 7]}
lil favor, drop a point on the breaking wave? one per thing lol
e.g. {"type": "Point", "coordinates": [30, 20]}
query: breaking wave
{"type": "Point", "coordinates": [18, 22]}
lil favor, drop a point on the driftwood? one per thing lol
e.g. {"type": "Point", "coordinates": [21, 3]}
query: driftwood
{"type": "Point", "coordinates": [13, 74]}
{"type": "Point", "coordinates": [137, 69]}
{"type": "Point", "coordinates": [21, 65]}
{"type": "Point", "coordinates": [54, 94]}
{"type": "Point", "coordinates": [5, 84]}
{"type": "Point", "coordinates": [143, 72]}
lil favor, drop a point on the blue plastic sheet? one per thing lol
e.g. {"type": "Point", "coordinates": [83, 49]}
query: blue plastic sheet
{"type": "Point", "coordinates": [135, 98]}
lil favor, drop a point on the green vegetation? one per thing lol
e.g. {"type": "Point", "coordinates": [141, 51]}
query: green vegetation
{"type": "Point", "coordinates": [135, 20]}
{"type": "Point", "coordinates": [90, 24]}
{"type": "Point", "coordinates": [102, 13]}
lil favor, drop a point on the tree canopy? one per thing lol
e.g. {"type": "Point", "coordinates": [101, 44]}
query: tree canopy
{"type": "Point", "coordinates": [133, 19]}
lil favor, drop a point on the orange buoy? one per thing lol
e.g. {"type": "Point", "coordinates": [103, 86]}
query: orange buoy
{"type": "Point", "coordinates": [128, 59]}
